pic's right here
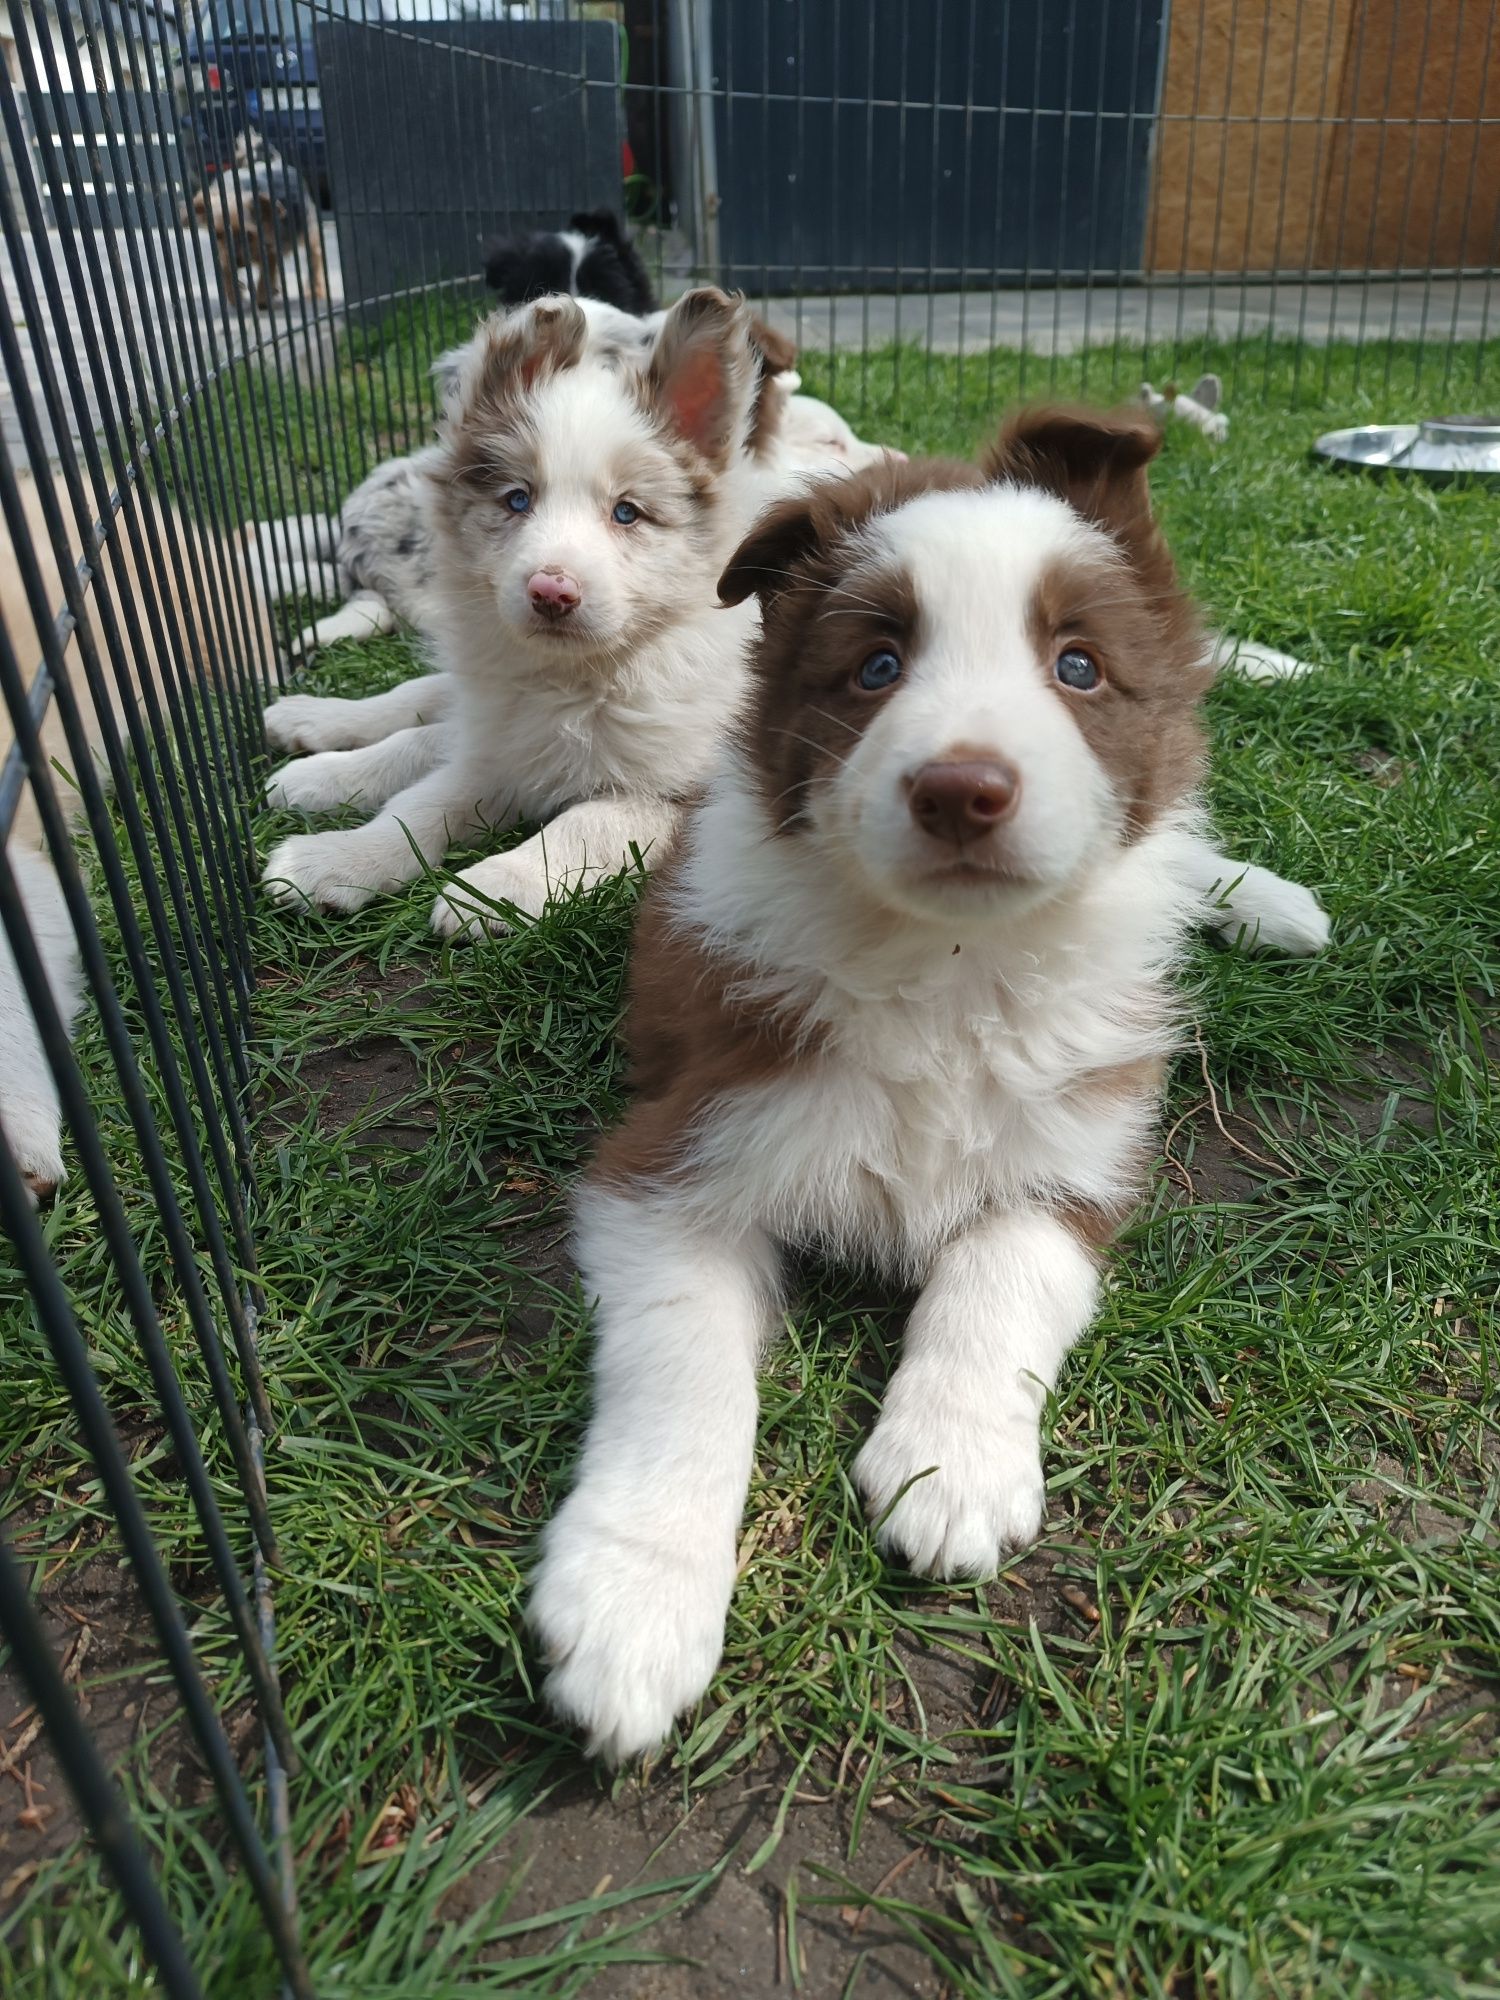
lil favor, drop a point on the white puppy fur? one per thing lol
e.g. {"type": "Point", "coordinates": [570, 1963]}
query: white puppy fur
{"type": "Point", "coordinates": [30, 1118]}
{"type": "Point", "coordinates": [377, 555]}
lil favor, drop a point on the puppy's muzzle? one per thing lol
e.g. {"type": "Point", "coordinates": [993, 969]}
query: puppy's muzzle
{"type": "Point", "coordinates": [963, 801]}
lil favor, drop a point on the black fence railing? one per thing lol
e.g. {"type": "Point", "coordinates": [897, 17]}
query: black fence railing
{"type": "Point", "coordinates": [181, 360]}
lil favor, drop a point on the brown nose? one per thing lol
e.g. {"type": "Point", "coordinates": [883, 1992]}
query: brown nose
{"type": "Point", "coordinates": [553, 593]}
{"type": "Point", "coordinates": [961, 802]}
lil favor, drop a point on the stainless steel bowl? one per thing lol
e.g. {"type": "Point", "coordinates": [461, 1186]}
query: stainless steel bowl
{"type": "Point", "coordinates": [1439, 449]}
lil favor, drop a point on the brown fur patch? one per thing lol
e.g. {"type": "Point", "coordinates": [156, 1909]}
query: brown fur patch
{"type": "Point", "coordinates": [1142, 723]}
{"type": "Point", "coordinates": [1137, 622]}
{"type": "Point", "coordinates": [689, 1039]}
{"type": "Point", "coordinates": [774, 355]}
{"type": "Point", "coordinates": [819, 622]}
{"type": "Point", "coordinates": [521, 350]}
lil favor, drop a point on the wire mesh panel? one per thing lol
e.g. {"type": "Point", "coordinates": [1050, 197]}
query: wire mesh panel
{"type": "Point", "coordinates": [135, 656]}
{"type": "Point", "coordinates": [235, 243]}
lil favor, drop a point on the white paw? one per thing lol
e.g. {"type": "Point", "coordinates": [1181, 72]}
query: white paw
{"type": "Point", "coordinates": [33, 1131]}
{"type": "Point", "coordinates": [321, 783]}
{"type": "Point", "coordinates": [1268, 913]}
{"type": "Point", "coordinates": [503, 878]}
{"type": "Point", "coordinates": [982, 1493]}
{"type": "Point", "coordinates": [1263, 663]}
{"type": "Point", "coordinates": [631, 1624]}
{"type": "Point", "coordinates": [298, 723]}
{"type": "Point", "coordinates": [332, 871]}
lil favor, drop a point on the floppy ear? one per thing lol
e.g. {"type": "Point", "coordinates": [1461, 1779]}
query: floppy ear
{"type": "Point", "coordinates": [513, 351]}
{"type": "Point", "coordinates": [600, 222]}
{"type": "Point", "coordinates": [701, 381]}
{"type": "Point", "coordinates": [774, 356]}
{"type": "Point", "coordinates": [764, 564]}
{"type": "Point", "coordinates": [1093, 460]}
{"type": "Point", "coordinates": [777, 354]}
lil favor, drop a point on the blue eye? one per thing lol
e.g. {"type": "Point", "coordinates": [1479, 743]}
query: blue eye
{"type": "Point", "coordinates": [1074, 669]}
{"type": "Point", "coordinates": [625, 514]}
{"type": "Point", "coordinates": [880, 671]}
{"type": "Point", "coordinates": [518, 500]}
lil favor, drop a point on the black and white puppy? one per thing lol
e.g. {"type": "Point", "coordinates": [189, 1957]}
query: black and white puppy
{"type": "Point", "coordinates": [592, 258]}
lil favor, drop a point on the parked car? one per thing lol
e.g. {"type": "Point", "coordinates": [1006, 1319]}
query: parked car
{"type": "Point", "coordinates": [257, 65]}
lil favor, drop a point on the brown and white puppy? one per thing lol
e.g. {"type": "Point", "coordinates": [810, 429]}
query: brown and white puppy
{"type": "Point", "coordinates": [259, 215]}
{"type": "Point", "coordinates": [904, 992]}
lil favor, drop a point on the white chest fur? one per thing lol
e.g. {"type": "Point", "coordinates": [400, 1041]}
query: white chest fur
{"type": "Point", "coordinates": [937, 1082]}
{"type": "Point", "coordinates": [570, 732]}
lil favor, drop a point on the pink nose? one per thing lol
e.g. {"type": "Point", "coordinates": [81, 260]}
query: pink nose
{"type": "Point", "coordinates": [963, 801]}
{"type": "Point", "coordinates": [553, 593]}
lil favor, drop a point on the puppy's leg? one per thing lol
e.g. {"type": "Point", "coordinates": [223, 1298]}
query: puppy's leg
{"type": "Point", "coordinates": [629, 1600]}
{"type": "Point", "coordinates": [1250, 905]}
{"type": "Point", "coordinates": [574, 851]}
{"type": "Point", "coordinates": [952, 1471]}
{"type": "Point", "coordinates": [344, 871]}
{"type": "Point", "coordinates": [266, 252]}
{"type": "Point", "coordinates": [30, 1116]}
{"type": "Point", "coordinates": [301, 722]}
{"type": "Point", "coordinates": [365, 777]}
{"type": "Point", "coordinates": [363, 617]}
{"type": "Point", "coordinates": [296, 578]}
{"type": "Point", "coordinates": [316, 274]}
{"type": "Point", "coordinates": [228, 253]}
{"type": "Point", "coordinates": [284, 546]}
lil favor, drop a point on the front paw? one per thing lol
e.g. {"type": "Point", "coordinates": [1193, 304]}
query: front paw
{"type": "Point", "coordinates": [321, 783]}
{"type": "Point", "coordinates": [1265, 912]}
{"type": "Point", "coordinates": [630, 1622]}
{"type": "Point", "coordinates": [503, 878]}
{"type": "Point", "coordinates": [32, 1129]}
{"type": "Point", "coordinates": [329, 871]}
{"type": "Point", "coordinates": [973, 1484]}
{"type": "Point", "coordinates": [299, 723]}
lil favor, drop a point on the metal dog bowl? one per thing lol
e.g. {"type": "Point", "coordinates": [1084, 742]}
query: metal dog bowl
{"type": "Point", "coordinates": [1441, 448]}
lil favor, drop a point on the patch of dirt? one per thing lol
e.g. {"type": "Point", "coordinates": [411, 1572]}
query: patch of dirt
{"type": "Point", "coordinates": [1215, 1154]}
{"type": "Point", "coordinates": [732, 1941]}
{"type": "Point", "coordinates": [99, 1632]}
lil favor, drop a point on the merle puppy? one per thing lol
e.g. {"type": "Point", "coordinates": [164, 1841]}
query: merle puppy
{"type": "Point", "coordinates": [592, 258]}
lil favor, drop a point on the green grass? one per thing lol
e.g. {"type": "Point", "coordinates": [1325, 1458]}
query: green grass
{"type": "Point", "coordinates": [1229, 1731]}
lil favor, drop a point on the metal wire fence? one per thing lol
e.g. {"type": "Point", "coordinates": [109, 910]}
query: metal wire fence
{"type": "Point", "coordinates": [1120, 191]}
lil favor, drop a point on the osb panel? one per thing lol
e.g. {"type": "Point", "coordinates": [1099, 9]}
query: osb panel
{"type": "Point", "coordinates": [1251, 102]}
{"type": "Point", "coordinates": [1401, 191]}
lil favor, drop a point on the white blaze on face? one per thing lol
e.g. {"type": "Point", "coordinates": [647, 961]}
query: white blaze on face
{"type": "Point", "coordinates": [586, 446]}
{"type": "Point", "coordinates": [973, 687]}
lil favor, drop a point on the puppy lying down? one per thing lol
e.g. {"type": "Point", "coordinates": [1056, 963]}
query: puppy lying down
{"type": "Point", "coordinates": [903, 992]}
